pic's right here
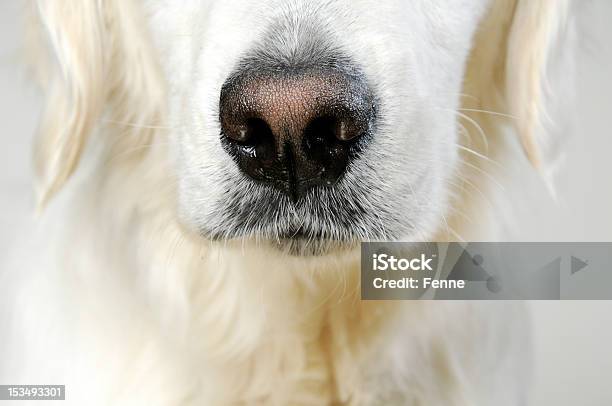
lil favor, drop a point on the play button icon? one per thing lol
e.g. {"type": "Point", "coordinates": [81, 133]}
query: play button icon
{"type": "Point", "coordinates": [578, 264]}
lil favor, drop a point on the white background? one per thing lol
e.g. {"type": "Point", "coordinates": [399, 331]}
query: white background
{"type": "Point", "coordinates": [573, 340]}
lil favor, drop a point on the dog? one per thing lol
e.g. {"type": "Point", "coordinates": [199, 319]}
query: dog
{"type": "Point", "coordinates": [206, 171]}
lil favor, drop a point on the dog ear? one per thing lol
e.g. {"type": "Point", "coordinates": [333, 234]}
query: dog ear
{"type": "Point", "coordinates": [508, 68]}
{"type": "Point", "coordinates": [536, 26]}
{"type": "Point", "coordinates": [93, 60]}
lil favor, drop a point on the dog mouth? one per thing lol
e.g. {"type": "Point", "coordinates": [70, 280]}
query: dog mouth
{"type": "Point", "coordinates": [300, 233]}
{"type": "Point", "coordinates": [301, 242]}
{"type": "Point", "coordinates": [297, 241]}
{"type": "Point", "coordinates": [303, 245]}
{"type": "Point", "coordinates": [305, 229]}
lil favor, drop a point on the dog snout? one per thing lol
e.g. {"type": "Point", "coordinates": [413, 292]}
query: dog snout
{"type": "Point", "coordinates": [295, 130]}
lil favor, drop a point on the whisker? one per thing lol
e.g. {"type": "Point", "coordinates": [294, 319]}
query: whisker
{"type": "Point", "coordinates": [465, 133]}
{"type": "Point", "coordinates": [479, 155]}
{"type": "Point", "coordinates": [136, 125]}
{"type": "Point", "coordinates": [493, 113]}
{"type": "Point", "coordinates": [478, 127]}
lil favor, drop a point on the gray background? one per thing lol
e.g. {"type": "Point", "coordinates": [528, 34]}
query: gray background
{"type": "Point", "coordinates": [572, 339]}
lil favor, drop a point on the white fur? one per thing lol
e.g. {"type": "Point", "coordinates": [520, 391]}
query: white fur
{"type": "Point", "coordinates": [122, 300]}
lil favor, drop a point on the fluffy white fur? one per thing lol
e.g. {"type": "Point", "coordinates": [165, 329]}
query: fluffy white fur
{"type": "Point", "coordinates": [119, 297]}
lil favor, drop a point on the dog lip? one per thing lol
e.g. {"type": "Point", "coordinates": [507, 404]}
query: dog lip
{"type": "Point", "coordinates": [302, 234]}
{"type": "Point", "coordinates": [297, 234]}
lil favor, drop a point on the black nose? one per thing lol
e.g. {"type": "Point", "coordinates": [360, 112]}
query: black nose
{"type": "Point", "coordinates": [295, 130]}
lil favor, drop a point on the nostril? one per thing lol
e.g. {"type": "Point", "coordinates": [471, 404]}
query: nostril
{"type": "Point", "coordinates": [320, 131]}
{"type": "Point", "coordinates": [329, 129]}
{"type": "Point", "coordinates": [327, 142]}
{"type": "Point", "coordinates": [252, 132]}
{"type": "Point", "coordinates": [258, 132]}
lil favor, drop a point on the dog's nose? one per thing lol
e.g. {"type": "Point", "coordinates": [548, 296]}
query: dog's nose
{"type": "Point", "coordinates": [296, 130]}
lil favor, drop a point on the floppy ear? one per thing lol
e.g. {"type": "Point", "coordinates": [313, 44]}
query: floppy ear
{"type": "Point", "coordinates": [535, 28]}
{"type": "Point", "coordinates": [508, 67]}
{"type": "Point", "coordinates": [94, 60]}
